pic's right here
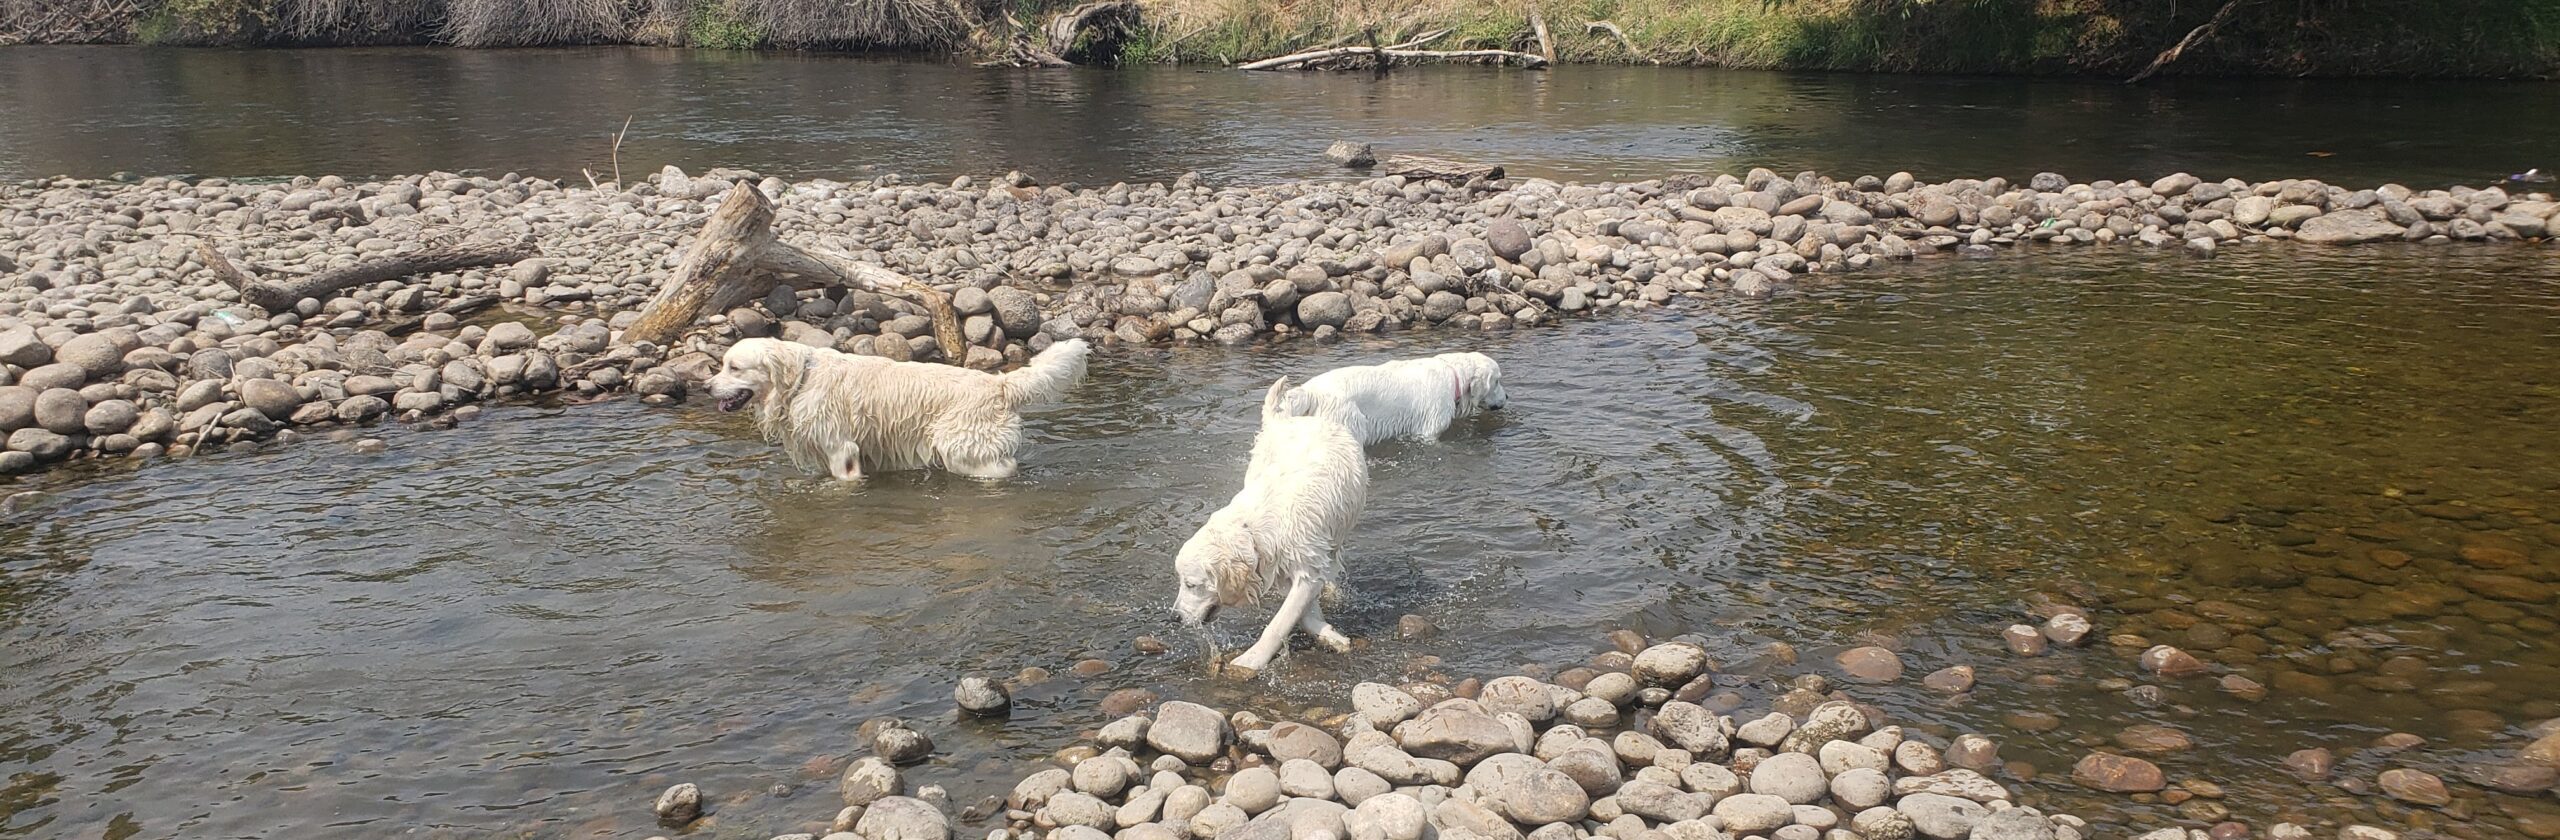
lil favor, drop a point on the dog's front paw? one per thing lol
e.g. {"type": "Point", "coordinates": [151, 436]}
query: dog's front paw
{"type": "Point", "coordinates": [1333, 640]}
{"type": "Point", "coordinates": [1244, 668]}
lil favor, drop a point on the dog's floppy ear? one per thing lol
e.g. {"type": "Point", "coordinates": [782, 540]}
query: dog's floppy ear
{"type": "Point", "coordinates": [1237, 568]}
{"type": "Point", "coordinates": [784, 362]}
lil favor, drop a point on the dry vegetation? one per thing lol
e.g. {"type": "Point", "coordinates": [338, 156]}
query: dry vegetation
{"type": "Point", "coordinates": [2342, 37]}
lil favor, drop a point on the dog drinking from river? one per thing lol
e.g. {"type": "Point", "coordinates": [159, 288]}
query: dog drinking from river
{"type": "Point", "coordinates": [1282, 534]}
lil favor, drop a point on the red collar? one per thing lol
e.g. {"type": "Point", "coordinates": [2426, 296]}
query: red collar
{"type": "Point", "coordinates": [1457, 388]}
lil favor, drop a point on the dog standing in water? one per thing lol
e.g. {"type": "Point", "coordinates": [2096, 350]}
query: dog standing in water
{"type": "Point", "coordinates": [1408, 398]}
{"type": "Point", "coordinates": [854, 414]}
{"type": "Point", "coordinates": [1283, 533]}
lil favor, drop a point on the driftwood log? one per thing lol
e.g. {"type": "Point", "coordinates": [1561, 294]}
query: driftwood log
{"type": "Point", "coordinates": [1546, 44]}
{"type": "Point", "coordinates": [736, 260]}
{"type": "Point", "coordinates": [1611, 28]}
{"type": "Point", "coordinates": [2194, 36]}
{"type": "Point", "coordinates": [1058, 37]}
{"type": "Point", "coordinates": [1336, 57]}
{"type": "Point", "coordinates": [1064, 29]}
{"type": "Point", "coordinates": [281, 295]}
{"type": "Point", "coordinates": [1417, 167]}
{"type": "Point", "coordinates": [456, 307]}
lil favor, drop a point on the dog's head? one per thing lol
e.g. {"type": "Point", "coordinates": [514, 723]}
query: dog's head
{"type": "Point", "coordinates": [755, 367]}
{"type": "Point", "coordinates": [1215, 569]}
{"type": "Point", "coordinates": [1479, 380]}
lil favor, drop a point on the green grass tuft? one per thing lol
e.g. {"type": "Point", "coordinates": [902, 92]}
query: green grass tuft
{"type": "Point", "coordinates": [717, 26]}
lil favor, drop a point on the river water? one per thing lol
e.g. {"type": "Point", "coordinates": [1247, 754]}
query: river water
{"type": "Point", "coordinates": [2330, 471]}
{"type": "Point", "coordinates": [527, 626]}
{"type": "Point", "coordinates": [92, 111]}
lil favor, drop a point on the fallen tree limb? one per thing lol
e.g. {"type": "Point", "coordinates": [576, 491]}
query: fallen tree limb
{"type": "Point", "coordinates": [1063, 30]}
{"type": "Point", "coordinates": [1309, 59]}
{"type": "Point", "coordinates": [1424, 38]}
{"type": "Point", "coordinates": [827, 268]}
{"type": "Point", "coordinates": [279, 296]}
{"type": "Point", "coordinates": [456, 307]}
{"type": "Point", "coordinates": [2194, 37]}
{"type": "Point", "coordinates": [1611, 27]}
{"type": "Point", "coordinates": [737, 260]}
{"type": "Point", "coordinates": [1020, 52]}
{"type": "Point", "coordinates": [1546, 45]}
{"type": "Point", "coordinates": [1414, 167]}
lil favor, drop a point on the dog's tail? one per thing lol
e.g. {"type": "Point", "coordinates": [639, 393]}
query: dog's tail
{"type": "Point", "coordinates": [1047, 377]}
{"type": "Point", "coordinates": [1275, 403]}
{"type": "Point", "coordinates": [1296, 402]}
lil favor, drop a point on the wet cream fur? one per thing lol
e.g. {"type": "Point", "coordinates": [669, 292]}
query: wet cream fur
{"type": "Point", "coordinates": [1408, 398]}
{"type": "Point", "coordinates": [852, 415]}
{"type": "Point", "coordinates": [1283, 533]}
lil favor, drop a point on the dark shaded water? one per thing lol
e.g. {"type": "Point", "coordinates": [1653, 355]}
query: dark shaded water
{"type": "Point", "coordinates": [529, 626]}
{"type": "Point", "coordinates": [91, 111]}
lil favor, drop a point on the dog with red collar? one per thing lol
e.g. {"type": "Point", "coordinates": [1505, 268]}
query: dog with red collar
{"type": "Point", "coordinates": [1408, 398]}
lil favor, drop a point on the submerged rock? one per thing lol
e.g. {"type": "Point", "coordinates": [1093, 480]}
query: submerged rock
{"type": "Point", "coordinates": [2118, 773]}
{"type": "Point", "coordinates": [982, 697]}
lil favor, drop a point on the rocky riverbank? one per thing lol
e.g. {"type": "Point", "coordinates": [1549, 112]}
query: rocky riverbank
{"type": "Point", "coordinates": [118, 340]}
{"type": "Point", "coordinates": [1648, 741]}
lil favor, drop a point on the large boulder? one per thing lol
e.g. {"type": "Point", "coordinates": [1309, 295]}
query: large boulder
{"type": "Point", "coordinates": [1292, 740]}
{"type": "Point", "coordinates": [1189, 731]}
{"type": "Point", "coordinates": [1523, 696]}
{"type": "Point", "coordinates": [110, 417]}
{"type": "Point", "coordinates": [871, 780]}
{"type": "Point", "coordinates": [1508, 238]}
{"type": "Point", "coordinates": [21, 347]}
{"type": "Point", "coordinates": [95, 353]}
{"type": "Point", "coordinates": [43, 444]}
{"type": "Point", "coordinates": [1016, 311]}
{"type": "Point", "coordinates": [1794, 777]}
{"type": "Point", "coordinates": [1748, 813]}
{"type": "Point", "coordinates": [1325, 309]}
{"type": "Point", "coordinates": [17, 407]}
{"type": "Point", "coordinates": [270, 397]}
{"type": "Point", "coordinates": [60, 411]}
{"type": "Point", "coordinates": [1455, 735]}
{"type": "Point", "coordinates": [2348, 227]}
{"type": "Point", "coordinates": [2118, 773]}
{"type": "Point", "coordinates": [903, 818]}
{"type": "Point", "coordinates": [1382, 705]}
{"type": "Point", "coordinates": [1670, 663]}
{"type": "Point", "coordinates": [1942, 817]}
{"type": "Point", "coordinates": [1691, 727]}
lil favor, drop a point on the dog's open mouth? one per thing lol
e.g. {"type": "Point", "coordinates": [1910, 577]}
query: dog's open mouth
{"type": "Point", "coordinates": [735, 401]}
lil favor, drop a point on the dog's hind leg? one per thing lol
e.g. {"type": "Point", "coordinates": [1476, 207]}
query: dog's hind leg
{"type": "Point", "coordinates": [844, 460]}
{"type": "Point", "coordinates": [1302, 598]}
{"type": "Point", "coordinates": [982, 467]}
{"type": "Point", "coordinates": [1314, 622]}
{"type": "Point", "coordinates": [1316, 626]}
{"type": "Point", "coordinates": [978, 452]}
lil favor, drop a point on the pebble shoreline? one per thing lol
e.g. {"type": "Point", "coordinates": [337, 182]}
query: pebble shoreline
{"type": "Point", "coordinates": [116, 341]}
{"type": "Point", "coordinates": [1648, 741]}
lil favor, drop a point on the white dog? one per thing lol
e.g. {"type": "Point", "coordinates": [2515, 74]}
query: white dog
{"type": "Point", "coordinates": [852, 414]}
{"type": "Point", "coordinates": [1416, 398]}
{"type": "Point", "coordinates": [1302, 494]}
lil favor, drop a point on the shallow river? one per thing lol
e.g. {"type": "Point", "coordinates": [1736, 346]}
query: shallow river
{"type": "Point", "coordinates": [528, 626]}
{"type": "Point", "coordinates": [92, 111]}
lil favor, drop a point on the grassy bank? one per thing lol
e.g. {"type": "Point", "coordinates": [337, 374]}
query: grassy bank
{"type": "Point", "coordinates": [2285, 37]}
{"type": "Point", "coordinates": [2476, 38]}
